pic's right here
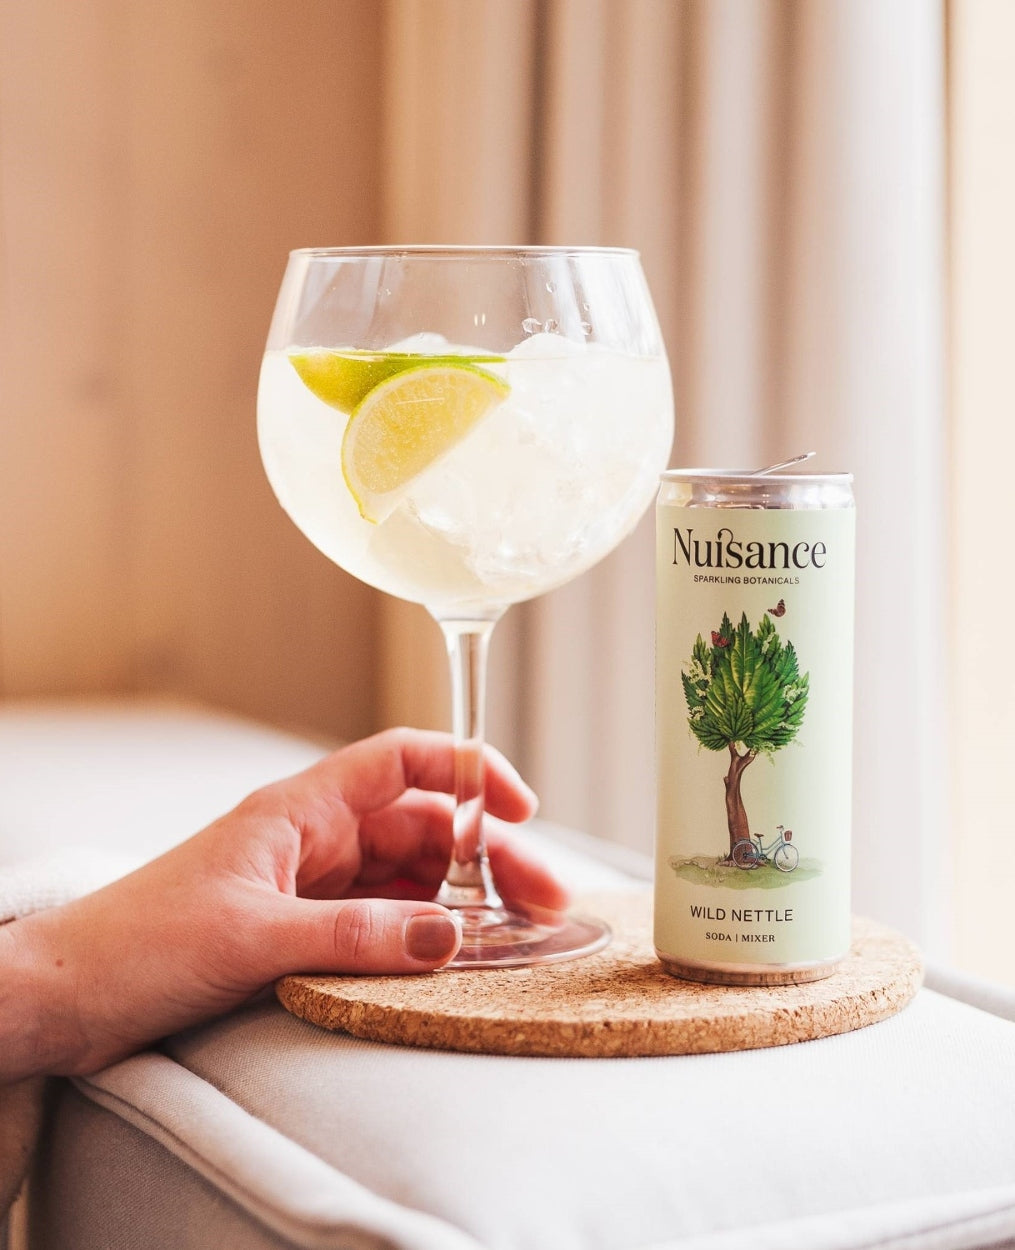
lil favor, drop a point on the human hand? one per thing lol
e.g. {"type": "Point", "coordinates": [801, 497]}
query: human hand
{"type": "Point", "coordinates": [327, 871]}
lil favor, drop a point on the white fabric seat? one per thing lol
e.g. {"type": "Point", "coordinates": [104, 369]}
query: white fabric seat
{"type": "Point", "coordinates": [260, 1130]}
{"type": "Point", "coordinates": [271, 1132]}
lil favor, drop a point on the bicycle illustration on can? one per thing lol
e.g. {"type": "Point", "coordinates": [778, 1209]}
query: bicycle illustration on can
{"type": "Point", "coordinates": [751, 853]}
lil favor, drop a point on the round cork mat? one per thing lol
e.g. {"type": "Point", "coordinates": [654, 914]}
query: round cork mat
{"type": "Point", "coordinates": [616, 1003]}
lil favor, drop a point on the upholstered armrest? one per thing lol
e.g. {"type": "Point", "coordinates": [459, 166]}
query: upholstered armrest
{"type": "Point", "coordinates": [266, 1131]}
{"type": "Point", "coordinates": [260, 1130]}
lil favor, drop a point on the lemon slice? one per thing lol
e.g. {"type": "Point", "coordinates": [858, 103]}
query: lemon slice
{"type": "Point", "coordinates": [406, 423]}
{"type": "Point", "coordinates": [343, 379]}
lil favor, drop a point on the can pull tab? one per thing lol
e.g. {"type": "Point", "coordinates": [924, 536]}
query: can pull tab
{"type": "Point", "coordinates": [784, 464]}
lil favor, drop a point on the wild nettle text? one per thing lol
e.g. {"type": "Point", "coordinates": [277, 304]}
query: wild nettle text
{"type": "Point", "coordinates": [726, 552]}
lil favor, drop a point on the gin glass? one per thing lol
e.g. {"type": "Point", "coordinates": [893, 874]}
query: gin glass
{"type": "Point", "coordinates": [467, 428]}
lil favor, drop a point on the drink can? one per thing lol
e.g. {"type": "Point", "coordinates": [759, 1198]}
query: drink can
{"type": "Point", "coordinates": [754, 692]}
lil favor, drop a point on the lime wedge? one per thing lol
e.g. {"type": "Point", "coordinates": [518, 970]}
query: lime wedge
{"type": "Point", "coordinates": [343, 379]}
{"type": "Point", "coordinates": [404, 424]}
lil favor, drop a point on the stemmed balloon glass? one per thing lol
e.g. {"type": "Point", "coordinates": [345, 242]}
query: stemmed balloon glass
{"type": "Point", "coordinates": [467, 428]}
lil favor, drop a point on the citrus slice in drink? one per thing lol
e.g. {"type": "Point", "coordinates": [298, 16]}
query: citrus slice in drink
{"type": "Point", "coordinates": [342, 379]}
{"type": "Point", "coordinates": [405, 424]}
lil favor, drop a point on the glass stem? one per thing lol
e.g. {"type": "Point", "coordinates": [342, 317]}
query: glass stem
{"type": "Point", "coordinates": [469, 882]}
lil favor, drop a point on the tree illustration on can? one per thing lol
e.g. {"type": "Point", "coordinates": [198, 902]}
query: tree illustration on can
{"type": "Point", "coordinates": [745, 694]}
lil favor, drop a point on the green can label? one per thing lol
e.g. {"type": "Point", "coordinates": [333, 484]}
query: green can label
{"type": "Point", "coordinates": [754, 647]}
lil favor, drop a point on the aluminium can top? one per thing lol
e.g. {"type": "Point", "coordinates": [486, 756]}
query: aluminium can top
{"type": "Point", "coordinates": [737, 488]}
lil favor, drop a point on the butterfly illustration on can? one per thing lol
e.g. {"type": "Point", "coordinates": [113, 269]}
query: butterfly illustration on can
{"type": "Point", "coordinates": [718, 640]}
{"type": "Point", "coordinates": [779, 609]}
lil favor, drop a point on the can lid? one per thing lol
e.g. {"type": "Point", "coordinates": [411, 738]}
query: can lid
{"type": "Point", "coordinates": [752, 475]}
{"type": "Point", "coordinates": [738, 488]}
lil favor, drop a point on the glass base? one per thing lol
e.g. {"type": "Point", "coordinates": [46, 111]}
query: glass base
{"type": "Point", "coordinates": [497, 938]}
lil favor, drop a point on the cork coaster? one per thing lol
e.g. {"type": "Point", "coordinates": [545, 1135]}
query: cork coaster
{"type": "Point", "coordinates": [616, 1003]}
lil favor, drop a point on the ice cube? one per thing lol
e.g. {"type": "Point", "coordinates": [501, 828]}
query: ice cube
{"type": "Point", "coordinates": [426, 343]}
{"type": "Point", "coordinates": [547, 346]}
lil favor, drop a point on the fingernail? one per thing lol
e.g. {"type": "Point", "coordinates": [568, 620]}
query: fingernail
{"type": "Point", "coordinates": [432, 937]}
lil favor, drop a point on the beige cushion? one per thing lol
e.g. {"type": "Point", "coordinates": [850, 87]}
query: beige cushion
{"type": "Point", "coordinates": [263, 1131]}
{"type": "Point", "coordinates": [280, 1134]}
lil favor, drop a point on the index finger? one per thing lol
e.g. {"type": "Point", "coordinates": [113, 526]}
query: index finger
{"type": "Point", "coordinates": [371, 773]}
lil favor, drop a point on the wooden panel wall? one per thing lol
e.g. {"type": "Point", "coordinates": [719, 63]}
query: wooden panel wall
{"type": "Point", "coordinates": [156, 164]}
{"type": "Point", "coordinates": [459, 134]}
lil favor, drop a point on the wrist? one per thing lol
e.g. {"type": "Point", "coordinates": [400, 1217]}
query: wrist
{"type": "Point", "coordinates": [38, 1030]}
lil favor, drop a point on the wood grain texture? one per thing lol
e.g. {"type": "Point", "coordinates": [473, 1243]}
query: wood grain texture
{"type": "Point", "coordinates": [157, 162]}
{"type": "Point", "coordinates": [459, 78]}
{"type": "Point", "coordinates": [619, 1003]}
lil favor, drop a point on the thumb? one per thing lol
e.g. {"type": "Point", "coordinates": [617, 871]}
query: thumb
{"type": "Point", "coordinates": [366, 936]}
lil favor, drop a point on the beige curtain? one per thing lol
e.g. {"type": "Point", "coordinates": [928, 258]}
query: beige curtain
{"type": "Point", "coordinates": [780, 166]}
{"type": "Point", "coordinates": [981, 446]}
